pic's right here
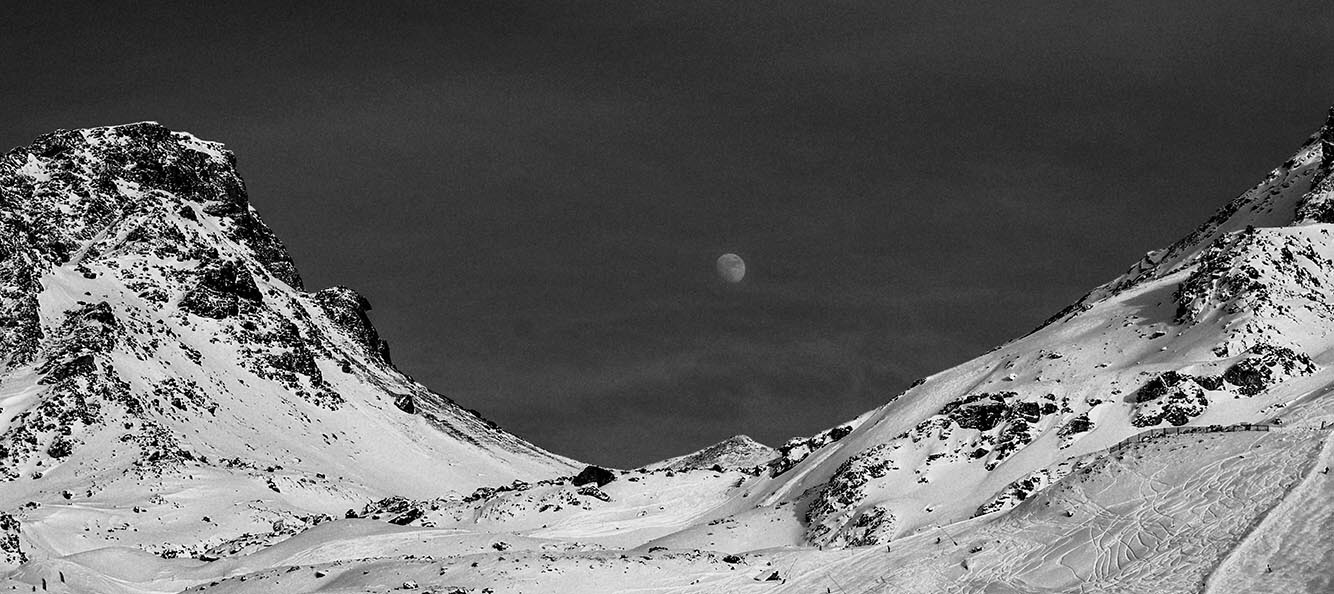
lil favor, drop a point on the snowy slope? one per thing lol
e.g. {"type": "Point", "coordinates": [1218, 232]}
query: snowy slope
{"type": "Point", "coordinates": [157, 349]}
{"type": "Point", "coordinates": [1166, 433]}
{"type": "Point", "coordinates": [1230, 325]}
{"type": "Point", "coordinates": [1155, 519]}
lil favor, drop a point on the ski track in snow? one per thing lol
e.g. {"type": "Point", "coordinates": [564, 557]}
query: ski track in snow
{"type": "Point", "coordinates": [1158, 528]}
{"type": "Point", "coordinates": [259, 470]}
{"type": "Point", "coordinates": [1292, 549]}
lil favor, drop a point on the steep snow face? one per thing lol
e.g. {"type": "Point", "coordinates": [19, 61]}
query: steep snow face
{"type": "Point", "coordinates": [151, 324]}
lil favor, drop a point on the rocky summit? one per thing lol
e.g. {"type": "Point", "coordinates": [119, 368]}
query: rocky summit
{"type": "Point", "coordinates": [178, 413]}
{"type": "Point", "coordinates": [153, 329]}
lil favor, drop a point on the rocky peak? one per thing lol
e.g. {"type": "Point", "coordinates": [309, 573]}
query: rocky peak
{"type": "Point", "coordinates": [143, 303]}
{"type": "Point", "coordinates": [71, 186]}
{"type": "Point", "coordinates": [736, 452]}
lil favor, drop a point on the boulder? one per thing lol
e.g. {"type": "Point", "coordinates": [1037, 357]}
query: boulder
{"type": "Point", "coordinates": [406, 404]}
{"type": "Point", "coordinates": [593, 474]}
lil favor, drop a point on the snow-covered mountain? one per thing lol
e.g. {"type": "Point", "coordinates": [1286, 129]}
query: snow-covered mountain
{"type": "Point", "coordinates": [1166, 433]}
{"type": "Point", "coordinates": [154, 331]}
{"type": "Point", "coordinates": [1230, 325]}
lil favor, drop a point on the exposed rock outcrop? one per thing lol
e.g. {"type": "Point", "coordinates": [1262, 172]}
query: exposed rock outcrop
{"type": "Point", "coordinates": [221, 290]}
{"type": "Point", "coordinates": [595, 475]}
{"type": "Point", "coordinates": [347, 309]}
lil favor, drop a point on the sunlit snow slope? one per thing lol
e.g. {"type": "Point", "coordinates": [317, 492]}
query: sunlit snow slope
{"type": "Point", "coordinates": [1230, 325]}
{"type": "Point", "coordinates": [159, 355]}
{"type": "Point", "coordinates": [1166, 433]}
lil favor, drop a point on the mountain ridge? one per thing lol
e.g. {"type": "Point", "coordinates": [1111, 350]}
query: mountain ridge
{"type": "Point", "coordinates": [145, 290]}
{"type": "Point", "coordinates": [152, 324]}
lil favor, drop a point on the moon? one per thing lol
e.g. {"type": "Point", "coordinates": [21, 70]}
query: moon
{"type": "Point", "coordinates": [731, 267]}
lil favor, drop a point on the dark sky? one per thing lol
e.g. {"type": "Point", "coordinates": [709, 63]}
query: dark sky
{"type": "Point", "coordinates": [532, 194]}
